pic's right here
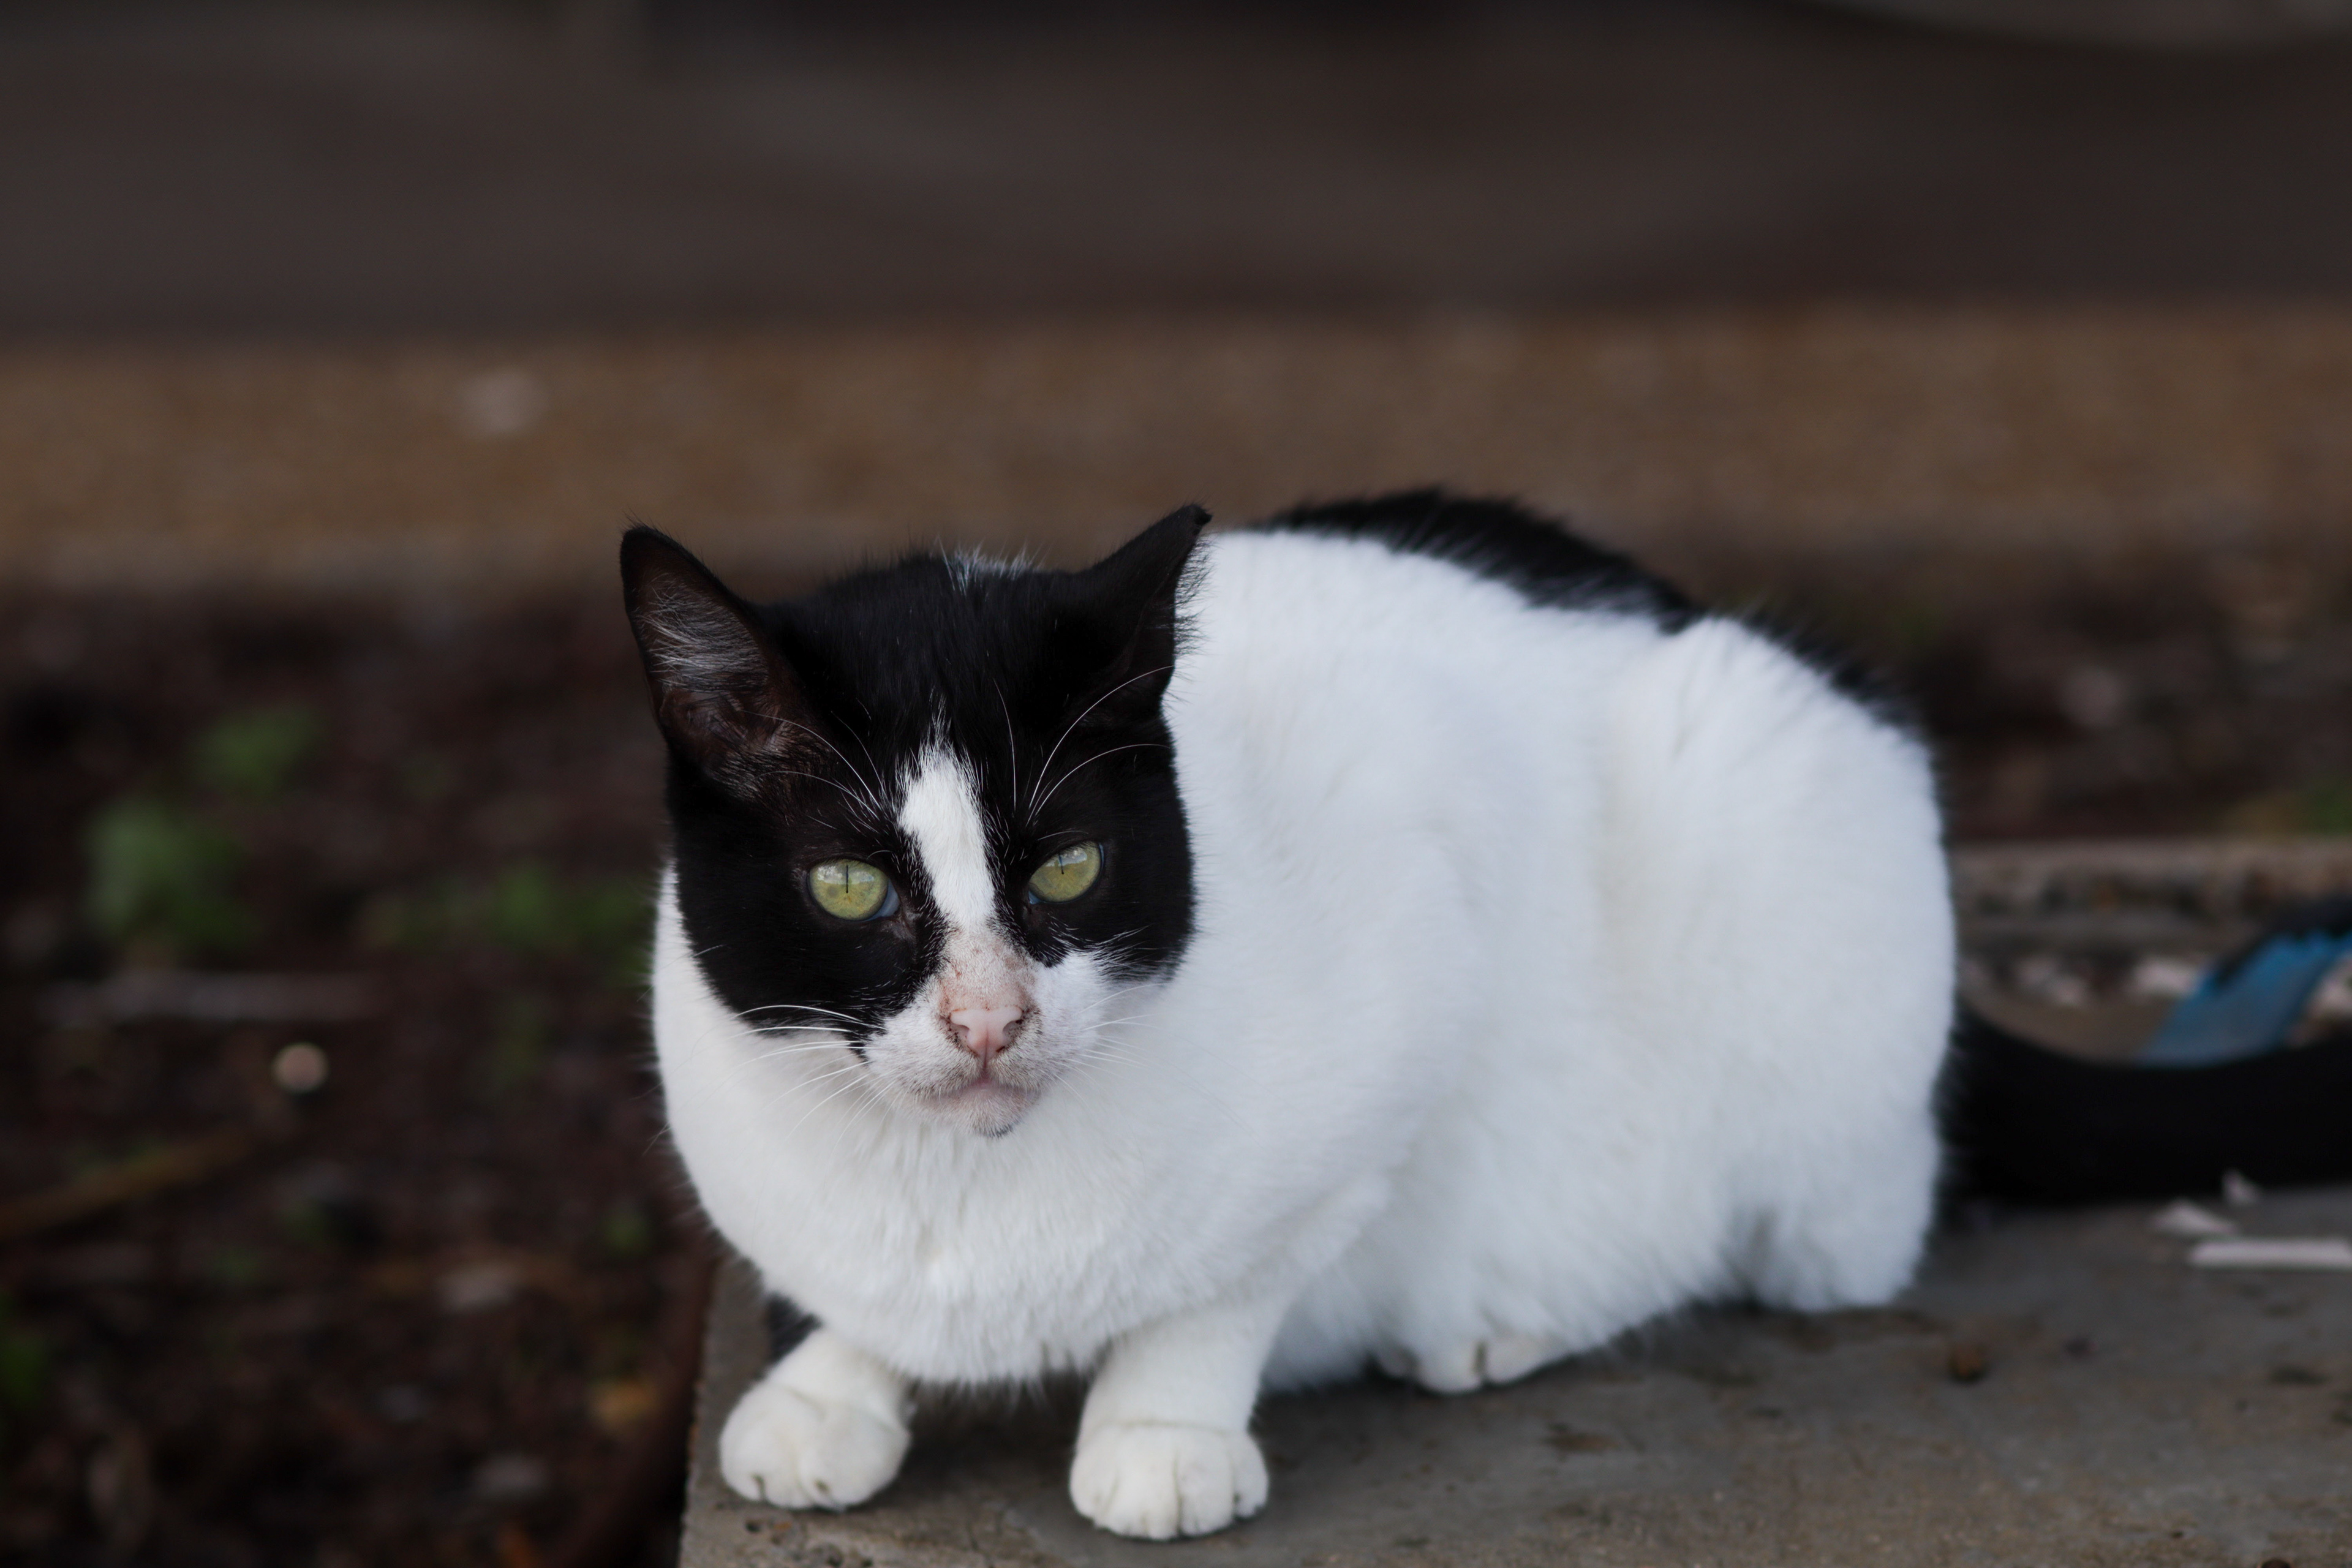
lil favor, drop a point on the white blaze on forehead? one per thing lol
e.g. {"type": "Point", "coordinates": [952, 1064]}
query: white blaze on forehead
{"type": "Point", "coordinates": [941, 814]}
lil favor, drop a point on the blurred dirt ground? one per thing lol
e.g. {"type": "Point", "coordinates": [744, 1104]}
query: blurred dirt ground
{"type": "Point", "coordinates": [439, 1308]}
{"type": "Point", "coordinates": [310, 665]}
{"type": "Point", "coordinates": [2037, 438]}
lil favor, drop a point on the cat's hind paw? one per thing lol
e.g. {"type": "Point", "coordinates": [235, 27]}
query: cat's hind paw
{"type": "Point", "coordinates": [795, 1449]}
{"type": "Point", "coordinates": [1159, 1482]}
{"type": "Point", "coordinates": [1474, 1364]}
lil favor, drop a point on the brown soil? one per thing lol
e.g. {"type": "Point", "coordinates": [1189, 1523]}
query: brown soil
{"type": "Point", "coordinates": [423, 1315]}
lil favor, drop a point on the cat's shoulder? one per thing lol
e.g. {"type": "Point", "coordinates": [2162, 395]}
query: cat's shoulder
{"type": "Point", "coordinates": [1550, 565]}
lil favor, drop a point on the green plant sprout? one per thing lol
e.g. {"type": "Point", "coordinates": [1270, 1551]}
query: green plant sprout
{"type": "Point", "coordinates": [158, 874]}
{"type": "Point", "coordinates": [255, 754]}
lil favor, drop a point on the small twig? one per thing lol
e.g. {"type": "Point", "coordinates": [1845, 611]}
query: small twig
{"type": "Point", "coordinates": [213, 999]}
{"type": "Point", "coordinates": [158, 1170]}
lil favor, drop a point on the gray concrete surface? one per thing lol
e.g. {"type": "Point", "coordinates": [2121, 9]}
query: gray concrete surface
{"type": "Point", "coordinates": [2132, 1411]}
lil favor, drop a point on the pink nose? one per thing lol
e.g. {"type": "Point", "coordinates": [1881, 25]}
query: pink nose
{"type": "Point", "coordinates": [985, 1032]}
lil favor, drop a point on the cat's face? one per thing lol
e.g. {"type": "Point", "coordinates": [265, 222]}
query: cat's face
{"type": "Point", "coordinates": [926, 825]}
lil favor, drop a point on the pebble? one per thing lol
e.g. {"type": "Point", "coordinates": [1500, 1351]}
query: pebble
{"type": "Point", "coordinates": [299, 1068]}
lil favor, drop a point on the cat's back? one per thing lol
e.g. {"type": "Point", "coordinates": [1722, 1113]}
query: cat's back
{"type": "Point", "coordinates": [1377, 696]}
{"type": "Point", "coordinates": [1404, 632]}
{"type": "Point", "coordinates": [1652, 907]}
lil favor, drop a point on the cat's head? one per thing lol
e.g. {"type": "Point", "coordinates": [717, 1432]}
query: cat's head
{"type": "Point", "coordinates": [927, 814]}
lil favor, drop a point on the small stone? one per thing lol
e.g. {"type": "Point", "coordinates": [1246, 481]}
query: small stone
{"type": "Point", "coordinates": [403, 1402]}
{"type": "Point", "coordinates": [1563, 1440]}
{"type": "Point", "coordinates": [618, 1404]}
{"type": "Point", "coordinates": [299, 1068]}
{"type": "Point", "coordinates": [2095, 696]}
{"type": "Point", "coordinates": [510, 1478]}
{"type": "Point", "coordinates": [1967, 1361]}
{"type": "Point", "coordinates": [478, 1287]}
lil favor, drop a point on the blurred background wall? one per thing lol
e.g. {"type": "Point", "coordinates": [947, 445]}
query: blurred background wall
{"type": "Point", "coordinates": [342, 289]}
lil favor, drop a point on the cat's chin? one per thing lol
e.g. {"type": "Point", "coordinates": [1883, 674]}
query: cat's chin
{"type": "Point", "coordinates": [986, 1106]}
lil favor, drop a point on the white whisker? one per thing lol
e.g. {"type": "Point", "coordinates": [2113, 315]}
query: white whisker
{"type": "Point", "coordinates": [1074, 771]}
{"type": "Point", "coordinates": [1067, 730]}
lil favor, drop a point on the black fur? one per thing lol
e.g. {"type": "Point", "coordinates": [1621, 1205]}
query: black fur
{"type": "Point", "coordinates": [787, 1326]}
{"type": "Point", "coordinates": [1550, 565]}
{"type": "Point", "coordinates": [1853, 677]}
{"type": "Point", "coordinates": [1501, 541]}
{"type": "Point", "coordinates": [792, 727]}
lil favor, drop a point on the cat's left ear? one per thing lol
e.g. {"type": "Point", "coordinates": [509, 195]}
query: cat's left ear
{"type": "Point", "coordinates": [1130, 615]}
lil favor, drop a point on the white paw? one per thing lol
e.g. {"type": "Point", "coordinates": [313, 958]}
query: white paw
{"type": "Point", "coordinates": [1506, 1357]}
{"type": "Point", "coordinates": [1472, 1364]}
{"type": "Point", "coordinates": [1161, 1482]}
{"type": "Point", "coordinates": [793, 1449]}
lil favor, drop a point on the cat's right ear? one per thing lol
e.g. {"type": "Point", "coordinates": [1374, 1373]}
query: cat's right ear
{"type": "Point", "coordinates": [723, 695]}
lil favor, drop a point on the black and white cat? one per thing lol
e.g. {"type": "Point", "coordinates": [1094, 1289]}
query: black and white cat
{"type": "Point", "coordinates": [1396, 934]}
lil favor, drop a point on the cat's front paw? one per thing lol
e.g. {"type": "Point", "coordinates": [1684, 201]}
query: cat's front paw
{"type": "Point", "coordinates": [795, 1449]}
{"type": "Point", "coordinates": [1160, 1482]}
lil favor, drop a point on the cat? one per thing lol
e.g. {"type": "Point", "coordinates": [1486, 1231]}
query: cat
{"type": "Point", "coordinates": [1397, 934]}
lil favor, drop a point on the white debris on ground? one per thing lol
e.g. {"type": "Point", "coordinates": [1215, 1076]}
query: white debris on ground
{"type": "Point", "coordinates": [2334, 997]}
{"type": "Point", "coordinates": [2046, 977]}
{"type": "Point", "coordinates": [2191, 1222]}
{"type": "Point", "coordinates": [2218, 1244]}
{"type": "Point", "coordinates": [2315, 1253]}
{"type": "Point", "coordinates": [2330, 1007]}
{"type": "Point", "coordinates": [2165, 977]}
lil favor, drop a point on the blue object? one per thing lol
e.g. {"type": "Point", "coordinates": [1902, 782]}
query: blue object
{"type": "Point", "coordinates": [2253, 1009]}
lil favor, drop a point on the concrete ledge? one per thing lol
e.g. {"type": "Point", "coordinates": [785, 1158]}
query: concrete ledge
{"type": "Point", "coordinates": [2130, 1411]}
{"type": "Point", "coordinates": [2059, 1389]}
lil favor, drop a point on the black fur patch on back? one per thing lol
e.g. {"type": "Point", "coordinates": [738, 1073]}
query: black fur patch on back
{"type": "Point", "coordinates": [1501, 541]}
{"type": "Point", "coordinates": [1552, 566]}
{"type": "Point", "coordinates": [1849, 674]}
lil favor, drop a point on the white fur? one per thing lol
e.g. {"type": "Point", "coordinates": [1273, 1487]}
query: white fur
{"type": "Point", "coordinates": [825, 1428]}
{"type": "Point", "coordinates": [1551, 971]}
{"type": "Point", "coordinates": [916, 1058]}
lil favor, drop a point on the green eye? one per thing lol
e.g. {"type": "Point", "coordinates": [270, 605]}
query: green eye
{"type": "Point", "coordinates": [852, 890]}
{"type": "Point", "coordinates": [1065, 876]}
